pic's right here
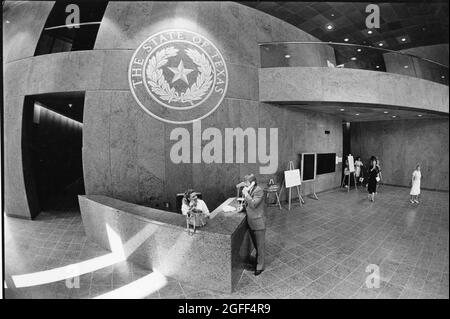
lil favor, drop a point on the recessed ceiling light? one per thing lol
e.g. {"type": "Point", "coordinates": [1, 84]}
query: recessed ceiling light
{"type": "Point", "coordinates": [332, 14]}
{"type": "Point", "coordinates": [419, 115]}
{"type": "Point", "coordinates": [385, 112]}
{"type": "Point", "coordinates": [442, 76]}
{"type": "Point", "coordinates": [357, 114]}
{"type": "Point", "coordinates": [359, 50]}
{"type": "Point", "coordinates": [7, 21]}
{"type": "Point", "coordinates": [329, 26]}
{"type": "Point", "coordinates": [370, 32]}
{"type": "Point", "coordinates": [342, 110]}
{"type": "Point", "coordinates": [287, 56]}
{"type": "Point", "coordinates": [394, 116]}
{"type": "Point", "coordinates": [346, 39]}
{"type": "Point", "coordinates": [377, 66]}
{"type": "Point", "coordinates": [70, 104]}
{"type": "Point", "coordinates": [380, 44]}
{"type": "Point", "coordinates": [406, 66]}
{"type": "Point", "coordinates": [403, 39]}
{"type": "Point", "coordinates": [353, 58]}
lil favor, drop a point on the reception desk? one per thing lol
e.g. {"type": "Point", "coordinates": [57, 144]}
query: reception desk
{"type": "Point", "coordinates": [213, 257]}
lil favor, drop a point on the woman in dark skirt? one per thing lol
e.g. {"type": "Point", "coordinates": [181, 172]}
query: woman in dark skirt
{"type": "Point", "coordinates": [372, 178]}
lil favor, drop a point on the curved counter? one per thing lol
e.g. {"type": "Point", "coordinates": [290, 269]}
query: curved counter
{"type": "Point", "coordinates": [213, 257]}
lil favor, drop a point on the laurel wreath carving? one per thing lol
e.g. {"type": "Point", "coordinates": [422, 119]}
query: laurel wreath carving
{"type": "Point", "coordinates": [159, 85]}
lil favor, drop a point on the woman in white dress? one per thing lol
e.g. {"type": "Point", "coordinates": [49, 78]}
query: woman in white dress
{"type": "Point", "coordinates": [358, 170]}
{"type": "Point", "coordinates": [415, 185]}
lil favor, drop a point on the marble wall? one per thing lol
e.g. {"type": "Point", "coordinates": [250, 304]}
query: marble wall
{"type": "Point", "coordinates": [403, 144]}
{"type": "Point", "coordinates": [125, 151]}
{"type": "Point", "coordinates": [141, 168]}
{"type": "Point", "coordinates": [26, 22]}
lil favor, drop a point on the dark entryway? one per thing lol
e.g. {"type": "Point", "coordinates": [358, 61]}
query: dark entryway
{"type": "Point", "coordinates": [52, 143]}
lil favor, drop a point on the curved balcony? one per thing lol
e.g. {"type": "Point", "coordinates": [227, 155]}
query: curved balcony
{"type": "Point", "coordinates": [295, 73]}
{"type": "Point", "coordinates": [351, 56]}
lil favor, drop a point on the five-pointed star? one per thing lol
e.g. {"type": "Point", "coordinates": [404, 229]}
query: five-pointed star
{"type": "Point", "coordinates": [180, 72]}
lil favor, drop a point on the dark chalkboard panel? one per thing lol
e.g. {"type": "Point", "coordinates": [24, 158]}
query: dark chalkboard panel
{"type": "Point", "coordinates": [326, 163]}
{"type": "Point", "coordinates": [308, 166]}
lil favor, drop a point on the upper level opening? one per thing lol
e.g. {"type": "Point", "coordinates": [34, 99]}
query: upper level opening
{"type": "Point", "coordinates": [62, 34]}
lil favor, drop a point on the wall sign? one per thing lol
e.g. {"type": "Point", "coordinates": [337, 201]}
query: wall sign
{"type": "Point", "coordinates": [178, 76]}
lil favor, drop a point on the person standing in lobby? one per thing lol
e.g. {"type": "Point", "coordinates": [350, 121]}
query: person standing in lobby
{"type": "Point", "coordinates": [358, 171]}
{"type": "Point", "coordinates": [373, 178]}
{"type": "Point", "coordinates": [415, 185]}
{"type": "Point", "coordinates": [255, 208]}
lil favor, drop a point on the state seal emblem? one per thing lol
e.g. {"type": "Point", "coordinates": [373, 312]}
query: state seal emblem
{"type": "Point", "coordinates": [178, 76]}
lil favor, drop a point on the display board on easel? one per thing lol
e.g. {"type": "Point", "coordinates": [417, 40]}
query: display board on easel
{"type": "Point", "coordinates": [292, 179]}
{"type": "Point", "coordinates": [308, 164]}
{"type": "Point", "coordinates": [351, 171]}
{"type": "Point", "coordinates": [351, 163]}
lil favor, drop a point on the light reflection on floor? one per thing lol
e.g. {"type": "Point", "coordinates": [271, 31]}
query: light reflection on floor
{"type": "Point", "coordinates": [320, 250]}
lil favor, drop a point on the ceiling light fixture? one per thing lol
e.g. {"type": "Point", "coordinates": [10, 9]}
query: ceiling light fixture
{"type": "Point", "coordinates": [380, 44]}
{"type": "Point", "coordinates": [342, 110]}
{"type": "Point", "coordinates": [403, 39]}
{"type": "Point", "coordinates": [394, 116]}
{"type": "Point", "coordinates": [370, 32]}
{"type": "Point", "coordinates": [406, 66]}
{"type": "Point", "coordinates": [359, 50]}
{"type": "Point", "coordinates": [287, 56]}
{"type": "Point", "coordinates": [7, 21]}
{"type": "Point", "coordinates": [357, 114]}
{"type": "Point", "coordinates": [385, 112]}
{"type": "Point", "coordinates": [442, 76]}
{"type": "Point", "coordinates": [353, 58]}
{"type": "Point", "coordinates": [70, 104]}
{"type": "Point", "coordinates": [419, 115]}
{"type": "Point", "coordinates": [346, 40]}
{"type": "Point", "coordinates": [377, 66]}
{"type": "Point", "coordinates": [329, 27]}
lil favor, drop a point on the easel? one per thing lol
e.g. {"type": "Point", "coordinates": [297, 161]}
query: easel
{"type": "Point", "coordinates": [283, 185]}
{"type": "Point", "coordinates": [351, 170]}
{"type": "Point", "coordinates": [313, 195]}
{"type": "Point", "coordinates": [348, 180]}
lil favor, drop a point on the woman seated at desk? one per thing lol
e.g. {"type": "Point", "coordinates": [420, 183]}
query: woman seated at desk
{"type": "Point", "coordinates": [193, 204]}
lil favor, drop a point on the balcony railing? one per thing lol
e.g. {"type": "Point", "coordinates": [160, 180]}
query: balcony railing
{"type": "Point", "coordinates": [350, 56]}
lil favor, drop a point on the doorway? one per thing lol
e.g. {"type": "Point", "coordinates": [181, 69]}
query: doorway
{"type": "Point", "coordinates": [52, 146]}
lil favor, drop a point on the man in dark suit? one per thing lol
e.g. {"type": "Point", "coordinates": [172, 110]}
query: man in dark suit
{"type": "Point", "coordinates": [255, 207]}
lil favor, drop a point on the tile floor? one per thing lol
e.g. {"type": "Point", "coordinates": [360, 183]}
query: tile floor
{"type": "Point", "coordinates": [320, 250]}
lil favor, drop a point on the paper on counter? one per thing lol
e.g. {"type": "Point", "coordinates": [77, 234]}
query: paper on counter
{"type": "Point", "coordinates": [228, 209]}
